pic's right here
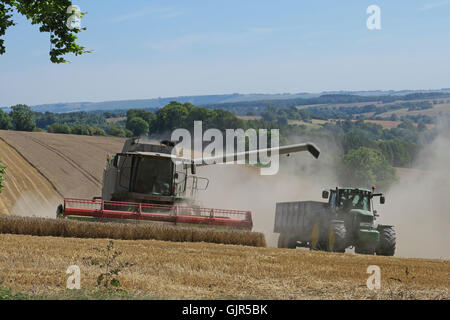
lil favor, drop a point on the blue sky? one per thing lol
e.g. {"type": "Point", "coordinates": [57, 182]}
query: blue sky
{"type": "Point", "coordinates": [147, 49]}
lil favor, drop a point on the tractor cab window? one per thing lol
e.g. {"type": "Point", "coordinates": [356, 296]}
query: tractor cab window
{"type": "Point", "coordinates": [349, 199]}
{"type": "Point", "coordinates": [154, 176]}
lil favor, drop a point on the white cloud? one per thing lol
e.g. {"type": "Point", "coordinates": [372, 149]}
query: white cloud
{"type": "Point", "coordinates": [161, 12]}
{"type": "Point", "coordinates": [433, 5]}
{"type": "Point", "coordinates": [211, 38]}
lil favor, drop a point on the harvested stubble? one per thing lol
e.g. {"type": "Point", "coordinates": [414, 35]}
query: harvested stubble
{"type": "Point", "coordinates": [146, 231]}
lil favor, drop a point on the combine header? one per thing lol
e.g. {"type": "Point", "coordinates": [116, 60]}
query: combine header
{"type": "Point", "coordinates": [149, 182]}
{"type": "Point", "coordinates": [101, 210]}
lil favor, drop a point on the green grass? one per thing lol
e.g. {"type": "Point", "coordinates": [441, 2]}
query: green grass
{"type": "Point", "coordinates": [7, 294]}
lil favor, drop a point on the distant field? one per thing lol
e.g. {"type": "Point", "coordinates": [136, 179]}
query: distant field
{"type": "Point", "coordinates": [26, 190]}
{"type": "Point", "coordinates": [313, 124]}
{"type": "Point", "coordinates": [73, 163]}
{"type": "Point", "coordinates": [249, 117]}
{"type": "Point", "coordinates": [444, 108]}
{"type": "Point", "coordinates": [115, 120]}
{"type": "Point", "coordinates": [387, 124]}
{"type": "Point", "coordinates": [212, 271]}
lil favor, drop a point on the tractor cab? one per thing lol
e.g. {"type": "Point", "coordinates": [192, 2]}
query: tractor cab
{"type": "Point", "coordinates": [347, 199]}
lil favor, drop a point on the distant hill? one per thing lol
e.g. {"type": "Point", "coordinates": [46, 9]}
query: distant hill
{"type": "Point", "coordinates": [225, 100]}
{"type": "Point", "coordinates": [161, 102]}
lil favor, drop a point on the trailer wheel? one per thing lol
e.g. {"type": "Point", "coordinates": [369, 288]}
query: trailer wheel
{"type": "Point", "coordinates": [386, 247]}
{"type": "Point", "coordinates": [286, 241]}
{"type": "Point", "coordinates": [337, 238]}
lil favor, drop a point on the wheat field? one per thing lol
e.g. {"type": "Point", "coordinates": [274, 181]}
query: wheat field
{"type": "Point", "coordinates": [126, 231]}
{"type": "Point", "coordinates": [187, 270]}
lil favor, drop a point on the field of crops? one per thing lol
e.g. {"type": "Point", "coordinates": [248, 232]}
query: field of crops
{"type": "Point", "coordinates": [37, 265]}
{"type": "Point", "coordinates": [126, 231]}
{"type": "Point", "coordinates": [26, 191]}
{"type": "Point", "coordinates": [73, 163]}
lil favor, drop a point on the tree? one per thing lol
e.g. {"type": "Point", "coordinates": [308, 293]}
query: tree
{"type": "Point", "coordinates": [22, 118]}
{"type": "Point", "coordinates": [59, 128]}
{"type": "Point", "coordinates": [51, 16]}
{"type": "Point", "coordinates": [365, 167]}
{"type": "Point", "coordinates": [96, 131]}
{"type": "Point", "coordinates": [138, 126]}
{"type": "Point", "coordinates": [5, 121]}
{"type": "Point", "coordinates": [81, 130]}
{"type": "Point", "coordinates": [117, 132]}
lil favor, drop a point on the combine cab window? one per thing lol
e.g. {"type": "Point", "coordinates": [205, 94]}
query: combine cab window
{"type": "Point", "coordinates": [154, 176]}
{"type": "Point", "coordinates": [125, 172]}
{"type": "Point", "coordinates": [333, 199]}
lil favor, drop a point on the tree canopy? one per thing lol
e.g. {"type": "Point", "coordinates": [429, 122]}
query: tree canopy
{"type": "Point", "coordinates": [23, 118]}
{"type": "Point", "coordinates": [366, 167]}
{"type": "Point", "coordinates": [138, 126]}
{"type": "Point", "coordinates": [5, 121]}
{"type": "Point", "coordinates": [52, 17]}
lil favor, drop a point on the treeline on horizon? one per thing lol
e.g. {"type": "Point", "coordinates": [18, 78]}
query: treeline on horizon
{"type": "Point", "coordinates": [365, 147]}
{"type": "Point", "coordinates": [256, 107]}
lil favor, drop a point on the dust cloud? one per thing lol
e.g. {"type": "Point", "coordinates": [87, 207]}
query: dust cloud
{"type": "Point", "coordinates": [418, 205]}
{"type": "Point", "coordinates": [31, 204]}
{"type": "Point", "coordinates": [240, 187]}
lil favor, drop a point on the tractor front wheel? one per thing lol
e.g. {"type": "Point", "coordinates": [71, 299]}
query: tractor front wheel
{"type": "Point", "coordinates": [386, 247]}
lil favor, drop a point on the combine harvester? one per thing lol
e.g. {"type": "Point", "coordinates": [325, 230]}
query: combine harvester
{"type": "Point", "coordinates": [147, 181]}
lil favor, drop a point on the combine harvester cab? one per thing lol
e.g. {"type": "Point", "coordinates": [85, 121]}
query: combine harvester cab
{"type": "Point", "coordinates": [150, 182]}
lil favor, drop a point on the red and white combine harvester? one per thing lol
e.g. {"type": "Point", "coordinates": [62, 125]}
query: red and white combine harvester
{"type": "Point", "coordinates": [149, 182]}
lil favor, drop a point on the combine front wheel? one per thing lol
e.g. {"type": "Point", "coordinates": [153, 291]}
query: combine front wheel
{"type": "Point", "coordinates": [60, 211]}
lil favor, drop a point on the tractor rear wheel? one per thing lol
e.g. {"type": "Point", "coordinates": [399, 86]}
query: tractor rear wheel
{"type": "Point", "coordinates": [337, 238]}
{"type": "Point", "coordinates": [287, 241]}
{"type": "Point", "coordinates": [386, 247]}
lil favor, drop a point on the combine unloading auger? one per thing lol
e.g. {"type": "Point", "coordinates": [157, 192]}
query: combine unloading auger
{"type": "Point", "coordinates": [147, 182]}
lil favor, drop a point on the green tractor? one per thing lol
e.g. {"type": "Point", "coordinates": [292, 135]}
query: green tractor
{"type": "Point", "coordinates": [346, 220]}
